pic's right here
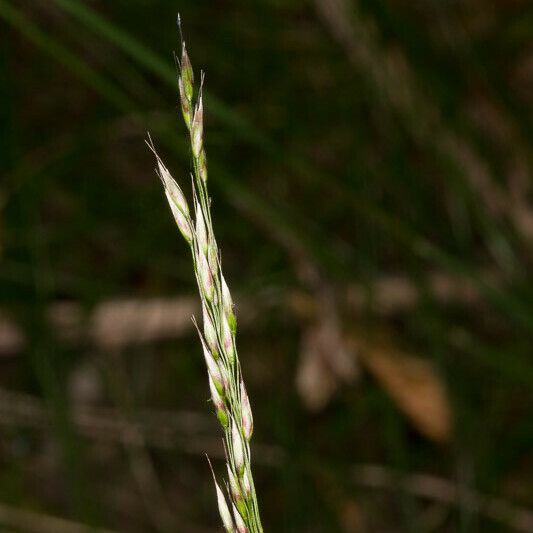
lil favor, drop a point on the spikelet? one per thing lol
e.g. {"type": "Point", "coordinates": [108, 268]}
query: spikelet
{"type": "Point", "coordinates": [210, 333]}
{"type": "Point", "coordinates": [197, 129]}
{"type": "Point", "coordinates": [246, 415]}
{"type": "Point", "coordinates": [239, 522]}
{"type": "Point", "coordinates": [237, 448]}
{"type": "Point", "coordinates": [223, 509]}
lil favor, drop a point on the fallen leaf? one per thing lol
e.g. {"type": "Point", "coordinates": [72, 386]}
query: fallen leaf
{"type": "Point", "coordinates": [414, 385]}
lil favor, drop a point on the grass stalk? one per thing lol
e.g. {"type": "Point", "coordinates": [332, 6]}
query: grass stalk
{"type": "Point", "coordinates": [226, 384]}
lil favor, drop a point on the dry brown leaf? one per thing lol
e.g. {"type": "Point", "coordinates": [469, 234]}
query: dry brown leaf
{"type": "Point", "coordinates": [414, 385]}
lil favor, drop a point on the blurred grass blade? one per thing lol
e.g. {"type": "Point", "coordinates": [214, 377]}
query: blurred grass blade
{"type": "Point", "coordinates": [166, 71]}
{"type": "Point", "coordinates": [54, 49]}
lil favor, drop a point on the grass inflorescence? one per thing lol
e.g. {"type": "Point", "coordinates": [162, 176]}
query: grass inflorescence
{"type": "Point", "coordinates": [226, 384]}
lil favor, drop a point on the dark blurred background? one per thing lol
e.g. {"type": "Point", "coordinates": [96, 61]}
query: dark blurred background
{"type": "Point", "coordinates": [370, 168]}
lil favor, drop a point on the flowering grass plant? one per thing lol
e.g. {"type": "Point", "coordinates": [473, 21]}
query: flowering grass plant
{"type": "Point", "coordinates": [237, 501]}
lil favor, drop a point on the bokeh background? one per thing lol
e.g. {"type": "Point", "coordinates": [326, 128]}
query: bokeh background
{"type": "Point", "coordinates": [370, 166]}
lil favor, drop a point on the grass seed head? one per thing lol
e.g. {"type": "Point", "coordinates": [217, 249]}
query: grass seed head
{"type": "Point", "coordinates": [202, 165]}
{"type": "Point", "coordinates": [210, 333]}
{"type": "Point", "coordinates": [219, 323]}
{"type": "Point", "coordinates": [247, 418]}
{"type": "Point", "coordinates": [222, 416]}
{"type": "Point", "coordinates": [223, 509]}
{"type": "Point", "coordinates": [212, 254]}
{"type": "Point", "coordinates": [173, 189]}
{"type": "Point", "coordinates": [186, 105]}
{"type": "Point", "coordinates": [213, 369]}
{"type": "Point", "coordinates": [227, 302]}
{"type": "Point", "coordinates": [238, 449]}
{"type": "Point", "coordinates": [187, 74]}
{"type": "Point", "coordinates": [246, 485]}
{"type": "Point", "coordinates": [197, 129]}
{"type": "Point", "coordinates": [227, 340]}
{"type": "Point", "coordinates": [236, 493]}
{"type": "Point", "coordinates": [205, 275]}
{"type": "Point", "coordinates": [235, 489]}
{"type": "Point", "coordinates": [201, 231]}
{"type": "Point", "coordinates": [183, 221]}
{"type": "Point", "coordinates": [239, 522]}
{"type": "Point", "coordinates": [220, 404]}
{"type": "Point", "coordinates": [218, 400]}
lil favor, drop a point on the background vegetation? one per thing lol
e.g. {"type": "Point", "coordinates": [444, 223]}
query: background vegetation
{"type": "Point", "coordinates": [370, 164]}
